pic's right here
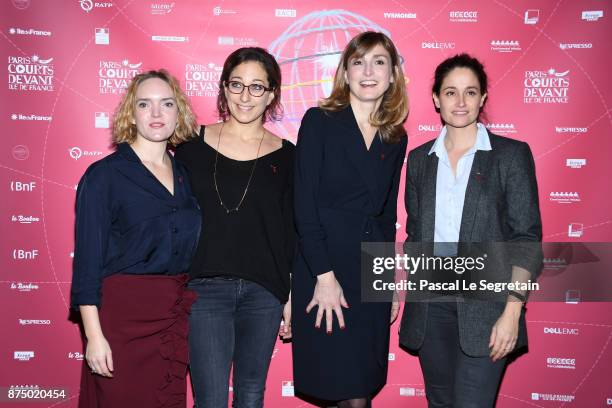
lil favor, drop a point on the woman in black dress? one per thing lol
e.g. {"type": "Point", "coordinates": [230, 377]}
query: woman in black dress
{"type": "Point", "coordinates": [242, 176]}
{"type": "Point", "coordinates": [349, 157]}
{"type": "Point", "coordinates": [136, 227]}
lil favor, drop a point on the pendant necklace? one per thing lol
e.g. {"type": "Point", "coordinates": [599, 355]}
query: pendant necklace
{"type": "Point", "coordinates": [235, 209]}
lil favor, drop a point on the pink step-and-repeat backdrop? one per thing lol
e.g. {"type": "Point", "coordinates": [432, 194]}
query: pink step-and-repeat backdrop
{"type": "Point", "coordinates": [66, 63]}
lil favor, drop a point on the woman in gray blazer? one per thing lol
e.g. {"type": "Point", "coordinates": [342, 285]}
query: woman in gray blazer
{"type": "Point", "coordinates": [466, 186]}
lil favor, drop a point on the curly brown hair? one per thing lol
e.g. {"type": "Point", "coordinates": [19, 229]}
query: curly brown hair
{"type": "Point", "coordinates": [124, 130]}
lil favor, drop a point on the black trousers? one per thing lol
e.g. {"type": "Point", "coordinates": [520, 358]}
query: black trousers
{"type": "Point", "coordinates": [452, 378]}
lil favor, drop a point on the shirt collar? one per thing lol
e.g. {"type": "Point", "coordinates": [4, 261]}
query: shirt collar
{"type": "Point", "coordinates": [482, 141]}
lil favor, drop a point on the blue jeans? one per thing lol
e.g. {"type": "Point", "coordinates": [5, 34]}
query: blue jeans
{"type": "Point", "coordinates": [234, 321]}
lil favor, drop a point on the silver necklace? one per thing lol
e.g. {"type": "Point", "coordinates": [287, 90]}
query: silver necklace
{"type": "Point", "coordinates": [235, 209]}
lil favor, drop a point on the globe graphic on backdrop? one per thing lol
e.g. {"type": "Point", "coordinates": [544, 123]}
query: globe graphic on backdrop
{"type": "Point", "coordinates": [308, 53]}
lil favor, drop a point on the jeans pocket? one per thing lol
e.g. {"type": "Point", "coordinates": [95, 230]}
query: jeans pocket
{"type": "Point", "coordinates": [197, 281]}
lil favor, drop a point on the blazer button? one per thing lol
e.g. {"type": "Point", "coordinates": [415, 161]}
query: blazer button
{"type": "Point", "coordinates": [175, 252]}
{"type": "Point", "coordinates": [175, 230]}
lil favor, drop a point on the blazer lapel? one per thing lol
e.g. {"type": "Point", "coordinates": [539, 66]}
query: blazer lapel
{"type": "Point", "coordinates": [357, 152]}
{"type": "Point", "coordinates": [472, 194]}
{"type": "Point", "coordinates": [427, 206]}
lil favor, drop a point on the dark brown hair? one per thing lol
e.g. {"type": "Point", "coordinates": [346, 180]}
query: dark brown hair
{"type": "Point", "coordinates": [274, 111]}
{"type": "Point", "coordinates": [461, 61]}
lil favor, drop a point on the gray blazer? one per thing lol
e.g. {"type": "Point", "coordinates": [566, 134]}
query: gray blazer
{"type": "Point", "coordinates": [501, 205]}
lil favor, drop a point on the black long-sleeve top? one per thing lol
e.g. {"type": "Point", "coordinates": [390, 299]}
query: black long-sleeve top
{"type": "Point", "coordinates": [128, 222]}
{"type": "Point", "coordinates": [257, 242]}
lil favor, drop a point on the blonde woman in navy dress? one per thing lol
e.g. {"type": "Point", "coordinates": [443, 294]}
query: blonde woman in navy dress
{"type": "Point", "coordinates": [137, 225]}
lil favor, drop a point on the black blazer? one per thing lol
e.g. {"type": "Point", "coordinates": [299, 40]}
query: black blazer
{"type": "Point", "coordinates": [501, 205]}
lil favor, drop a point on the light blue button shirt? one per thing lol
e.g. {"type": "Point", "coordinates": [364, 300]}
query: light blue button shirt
{"type": "Point", "coordinates": [450, 190]}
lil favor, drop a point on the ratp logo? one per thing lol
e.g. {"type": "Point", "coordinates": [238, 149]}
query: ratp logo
{"type": "Point", "coordinates": [86, 5]}
{"type": "Point", "coordinates": [89, 5]}
{"type": "Point", "coordinates": [76, 153]}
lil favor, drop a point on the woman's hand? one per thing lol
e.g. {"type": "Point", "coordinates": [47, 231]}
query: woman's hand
{"type": "Point", "coordinates": [504, 334]}
{"type": "Point", "coordinates": [328, 297]}
{"type": "Point", "coordinates": [98, 352]}
{"type": "Point", "coordinates": [395, 308]}
{"type": "Point", "coordinates": [285, 331]}
{"type": "Point", "coordinates": [99, 356]}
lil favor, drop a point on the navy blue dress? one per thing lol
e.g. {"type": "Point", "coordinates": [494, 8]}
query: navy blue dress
{"type": "Point", "coordinates": [127, 222]}
{"type": "Point", "coordinates": [345, 194]}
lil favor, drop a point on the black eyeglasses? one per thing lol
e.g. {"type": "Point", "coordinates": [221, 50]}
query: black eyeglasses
{"type": "Point", "coordinates": [236, 87]}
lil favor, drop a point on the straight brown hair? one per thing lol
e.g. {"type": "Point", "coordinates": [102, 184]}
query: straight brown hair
{"type": "Point", "coordinates": [393, 109]}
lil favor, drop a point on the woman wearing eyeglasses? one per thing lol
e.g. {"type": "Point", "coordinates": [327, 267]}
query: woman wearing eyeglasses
{"type": "Point", "coordinates": [242, 176]}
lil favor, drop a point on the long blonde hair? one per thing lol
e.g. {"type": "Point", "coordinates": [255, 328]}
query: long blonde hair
{"type": "Point", "coordinates": [393, 109]}
{"type": "Point", "coordinates": [124, 130]}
